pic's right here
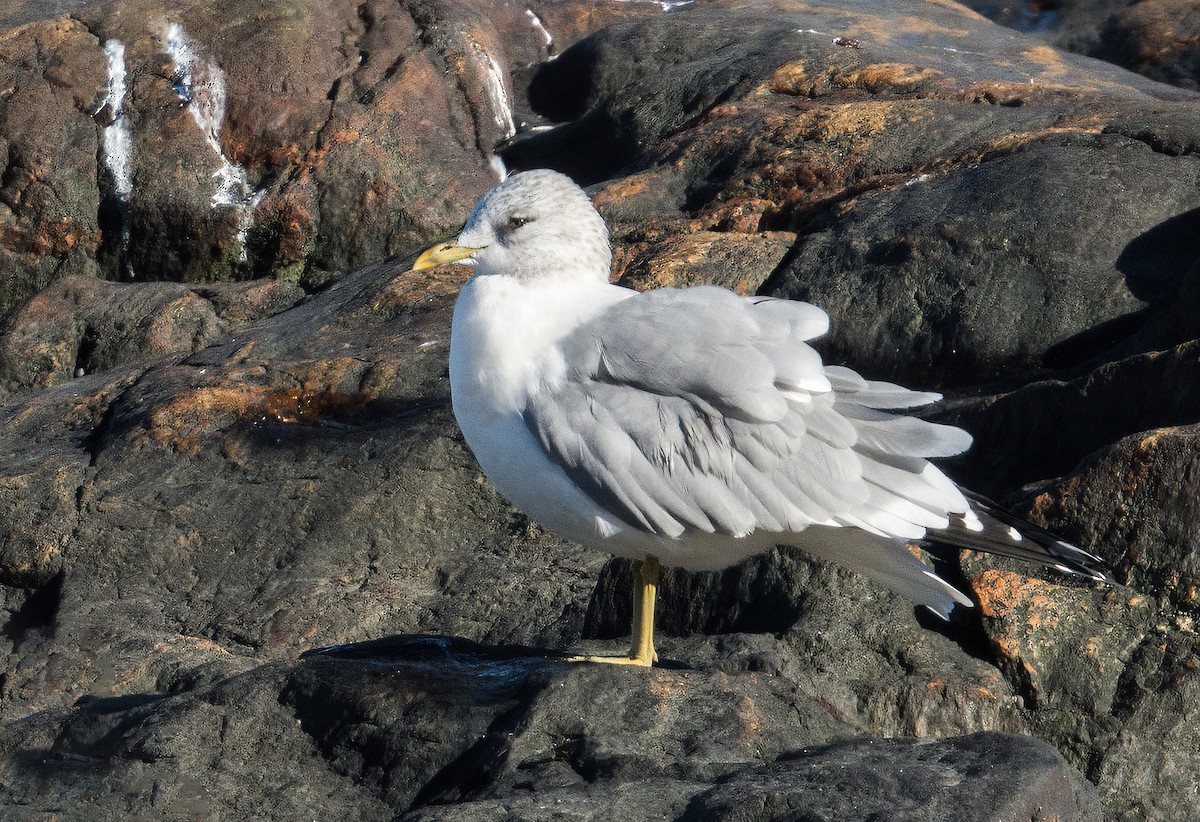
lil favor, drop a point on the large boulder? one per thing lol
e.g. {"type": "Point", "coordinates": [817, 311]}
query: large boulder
{"type": "Point", "coordinates": [201, 482]}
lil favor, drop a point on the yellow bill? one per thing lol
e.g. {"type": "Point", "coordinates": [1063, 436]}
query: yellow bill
{"type": "Point", "coordinates": [442, 254]}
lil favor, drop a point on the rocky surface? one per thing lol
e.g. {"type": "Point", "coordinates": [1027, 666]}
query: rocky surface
{"type": "Point", "coordinates": [207, 475]}
{"type": "Point", "coordinates": [289, 140]}
{"type": "Point", "coordinates": [447, 729]}
{"type": "Point", "coordinates": [1157, 38]}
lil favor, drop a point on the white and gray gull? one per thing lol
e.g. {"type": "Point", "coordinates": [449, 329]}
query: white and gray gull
{"type": "Point", "coordinates": [692, 427]}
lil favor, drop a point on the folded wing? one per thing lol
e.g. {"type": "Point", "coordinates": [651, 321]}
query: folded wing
{"type": "Point", "coordinates": [698, 411]}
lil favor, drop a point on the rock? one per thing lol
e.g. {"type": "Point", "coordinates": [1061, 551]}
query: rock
{"type": "Point", "coordinates": [874, 161]}
{"type": "Point", "coordinates": [282, 143]}
{"type": "Point", "coordinates": [302, 389]}
{"type": "Point", "coordinates": [200, 482]}
{"type": "Point", "coordinates": [19, 12]}
{"type": "Point", "coordinates": [80, 325]}
{"type": "Point", "coordinates": [1135, 497]}
{"type": "Point", "coordinates": [982, 776]}
{"type": "Point", "coordinates": [176, 756]}
{"type": "Point", "coordinates": [447, 728]}
{"type": "Point", "coordinates": [1156, 38]}
{"type": "Point", "coordinates": [49, 199]}
{"type": "Point", "coordinates": [1151, 760]}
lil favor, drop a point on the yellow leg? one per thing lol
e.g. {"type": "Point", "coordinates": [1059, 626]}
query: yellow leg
{"type": "Point", "coordinates": [645, 588]}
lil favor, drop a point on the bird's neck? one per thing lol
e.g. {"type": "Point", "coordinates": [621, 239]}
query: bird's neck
{"type": "Point", "coordinates": [505, 332]}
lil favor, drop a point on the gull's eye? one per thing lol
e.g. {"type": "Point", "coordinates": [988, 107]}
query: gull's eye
{"type": "Point", "coordinates": [515, 222]}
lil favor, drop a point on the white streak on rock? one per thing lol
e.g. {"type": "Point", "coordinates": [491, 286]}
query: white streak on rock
{"type": "Point", "coordinates": [665, 5]}
{"type": "Point", "coordinates": [116, 139]}
{"type": "Point", "coordinates": [541, 29]}
{"type": "Point", "coordinates": [116, 144]}
{"type": "Point", "coordinates": [200, 84]}
{"type": "Point", "coordinates": [498, 167]}
{"type": "Point", "coordinates": [493, 84]}
{"type": "Point", "coordinates": [500, 102]}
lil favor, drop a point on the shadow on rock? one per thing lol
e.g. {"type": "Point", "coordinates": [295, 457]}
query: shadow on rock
{"type": "Point", "coordinates": [1155, 262]}
{"type": "Point", "coordinates": [447, 665]}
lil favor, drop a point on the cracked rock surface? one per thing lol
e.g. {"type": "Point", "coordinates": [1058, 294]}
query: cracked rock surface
{"type": "Point", "coordinates": [249, 569]}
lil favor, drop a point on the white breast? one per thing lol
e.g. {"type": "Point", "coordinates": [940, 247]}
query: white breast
{"type": "Point", "coordinates": [503, 347]}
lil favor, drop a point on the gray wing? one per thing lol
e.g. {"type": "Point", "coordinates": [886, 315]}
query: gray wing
{"type": "Point", "coordinates": [699, 411]}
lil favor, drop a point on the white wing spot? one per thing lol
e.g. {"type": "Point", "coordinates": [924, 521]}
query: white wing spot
{"type": "Point", "coordinates": [972, 522]}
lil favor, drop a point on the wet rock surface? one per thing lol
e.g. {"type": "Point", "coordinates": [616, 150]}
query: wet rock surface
{"type": "Point", "coordinates": [211, 466]}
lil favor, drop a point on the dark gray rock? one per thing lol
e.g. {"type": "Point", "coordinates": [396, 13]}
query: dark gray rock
{"type": "Point", "coordinates": [976, 777]}
{"type": "Point", "coordinates": [1153, 759]}
{"type": "Point", "coordinates": [446, 728]}
{"type": "Point", "coordinates": [1157, 38]}
{"type": "Point", "coordinates": [81, 325]}
{"type": "Point", "coordinates": [1041, 273]}
{"type": "Point", "coordinates": [185, 756]}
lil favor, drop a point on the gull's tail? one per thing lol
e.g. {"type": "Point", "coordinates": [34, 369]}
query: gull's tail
{"type": "Point", "coordinates": [986, 528]}
{"type": "Point", "coordinates": [991, 529]}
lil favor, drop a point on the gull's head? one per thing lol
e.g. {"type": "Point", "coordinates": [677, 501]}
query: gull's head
{"type": "Point", "coordinates": [535, 224]}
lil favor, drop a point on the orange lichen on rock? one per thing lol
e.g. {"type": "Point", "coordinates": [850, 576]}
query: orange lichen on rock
{"type": "Point", "coordinates": [796, 80]}
{"type": "Point", "coordinates": [707, 257]}
{"type": "Point", "coordinates": [792, 79]}
{"type": "Point", "coordinates": [1015, 141]}
{"type": "Point", "coordinates": [1002, 592]}
{"type": "Point", "coordinates": [857, 121]}
{"type": "Point", "coordinates": [1052, 503]}
{"type": "Point", "coordinates": [614, 192]}
{"type": "Point", "coordinates": [1049, 60]}
{"type": "Point", "coordinates": [193, 643]}
{"type": "Point", "coordinates": [880, 77]}
{"type": "Point", "coordinates": [1007, 646]}
{"type": "Point", "coordinates": [181, 422]}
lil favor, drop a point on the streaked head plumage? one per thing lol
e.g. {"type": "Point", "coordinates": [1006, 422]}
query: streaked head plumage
{"type": "Point", "coordinates": [537, 224]}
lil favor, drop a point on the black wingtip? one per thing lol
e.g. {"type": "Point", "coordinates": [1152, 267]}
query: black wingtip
{"type": "Point", "coordinates": [991, 529]}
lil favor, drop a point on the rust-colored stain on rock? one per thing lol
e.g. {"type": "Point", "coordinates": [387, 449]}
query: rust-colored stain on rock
{"type": "Point", "coordinates": [412, 287]}
{"type": "Point", "coordinates": [185, 423]}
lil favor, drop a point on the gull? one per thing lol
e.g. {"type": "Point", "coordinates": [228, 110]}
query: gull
{"type": "Point", "coordinates": [693, 427]}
